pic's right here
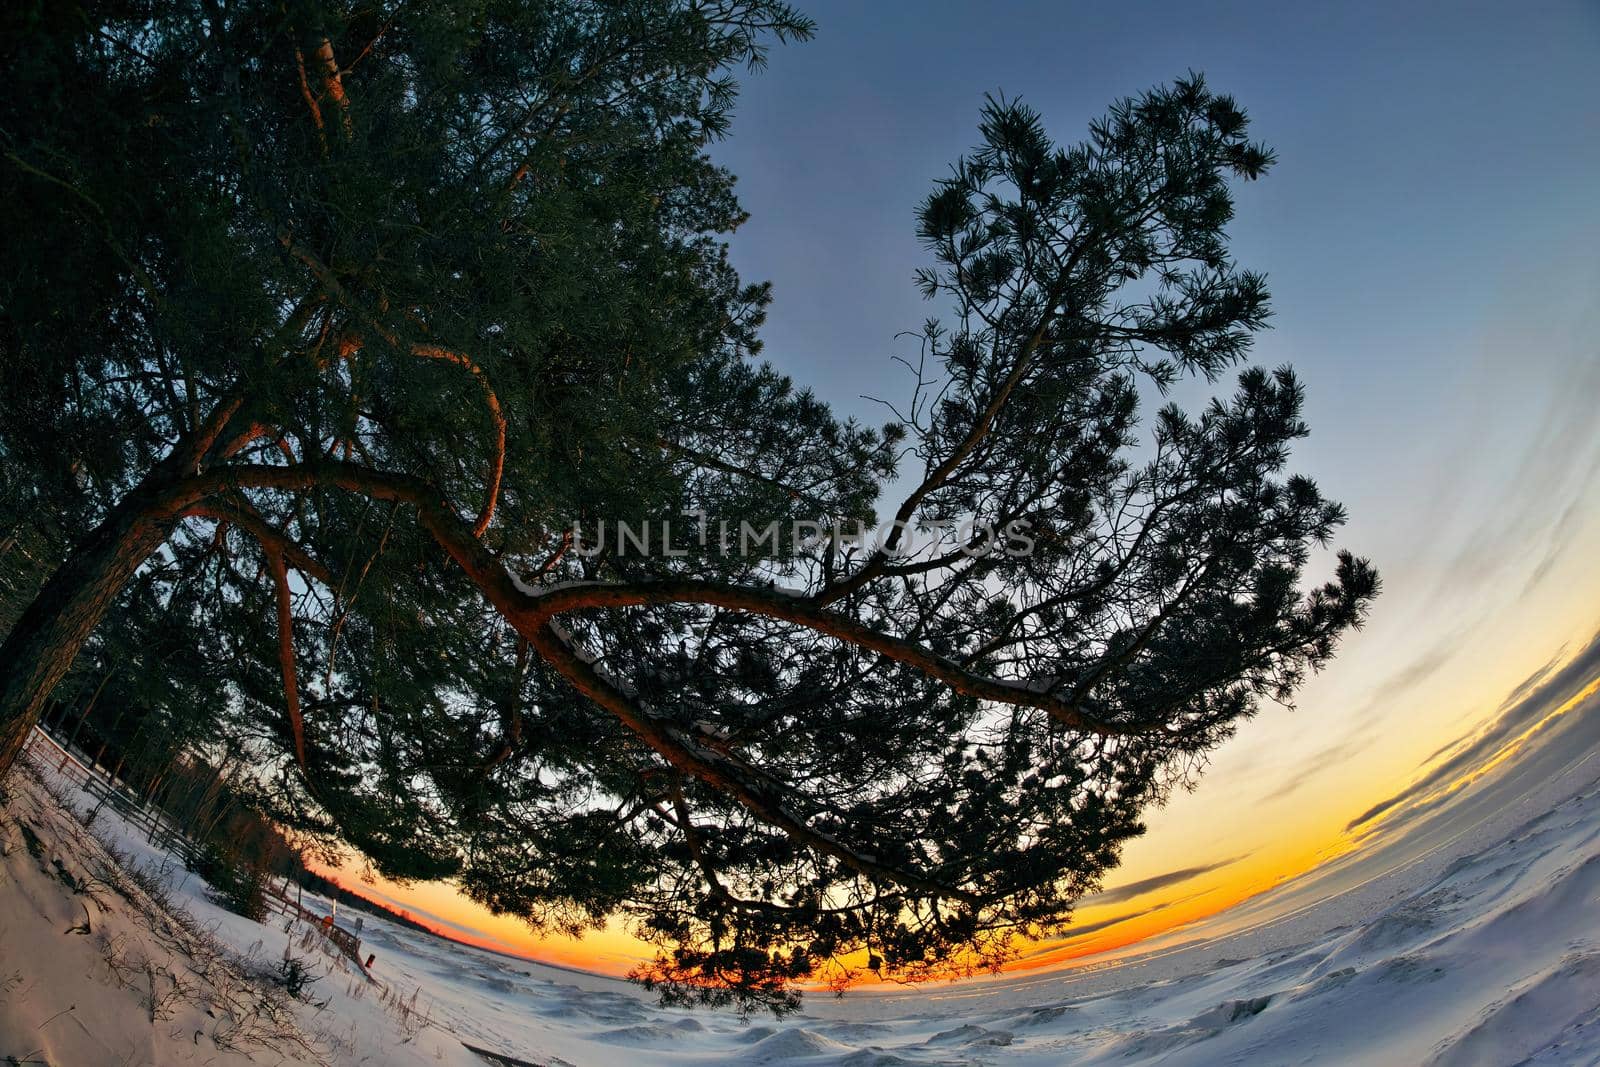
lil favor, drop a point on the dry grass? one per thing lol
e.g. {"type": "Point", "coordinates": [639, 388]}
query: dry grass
{"type": "Point", "coordinates": [411, 1018]}
{"type": "Point", "coordinates": [168, 957]}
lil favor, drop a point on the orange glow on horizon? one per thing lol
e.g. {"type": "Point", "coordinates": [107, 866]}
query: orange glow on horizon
{"type": "Point", "coordinates": [1310, 839]}
{"type": "Point", "coordinates": [611, 951]}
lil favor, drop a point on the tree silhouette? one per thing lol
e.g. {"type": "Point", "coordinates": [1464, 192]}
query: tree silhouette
{"type": "Point", "coordinates": [368, 312]}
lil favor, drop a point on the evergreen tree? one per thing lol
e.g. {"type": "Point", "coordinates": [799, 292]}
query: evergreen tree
{"type": "Point", "coordinates": [341, 317]}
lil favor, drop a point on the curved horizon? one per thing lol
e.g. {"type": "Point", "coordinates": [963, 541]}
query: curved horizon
{"type": "Point", "coordinates": [1428, 237]}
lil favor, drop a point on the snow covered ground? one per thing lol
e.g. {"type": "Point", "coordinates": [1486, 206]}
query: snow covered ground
{"type": "Point", "coordinates": [1466, 932]}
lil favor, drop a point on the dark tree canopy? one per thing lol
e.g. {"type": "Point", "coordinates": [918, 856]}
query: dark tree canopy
{"type": "Point", "coordinates": [325, 323]}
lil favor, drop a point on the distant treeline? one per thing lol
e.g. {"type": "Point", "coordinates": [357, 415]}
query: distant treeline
{"type": "Point", "coordinates": [316, 883]}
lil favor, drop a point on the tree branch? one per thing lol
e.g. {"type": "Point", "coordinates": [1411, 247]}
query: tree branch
{"type": "Point", "coordinates": [496, 416]}
{"type": "Point", "coordinates": [529, 610]}
{"type": "Point", "coordinates": [273, 540]}
{"type": "Point", "coordinates": [687, 756]}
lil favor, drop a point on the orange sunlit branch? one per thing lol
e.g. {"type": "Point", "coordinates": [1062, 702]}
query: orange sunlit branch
{"type": "Point", "coordinates": [333, 86]}
{"type": "Point", "coordinates": [310, 98]}
{"type": "Point", "coordinates": [350, 344]}
{"type": "Point", "coordinates": [333, 82]}
{"type": "Point", "coordinates": [492, 400]}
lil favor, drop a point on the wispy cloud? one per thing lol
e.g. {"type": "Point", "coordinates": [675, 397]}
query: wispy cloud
{"type": "Point", "coordinates": [1527, 702]}
{"type": "Point", "coordinates": [1085, 929]}
{"type": "Point", "coordinates": [1516, 531]}
{"type": "Point", "coordinates": [1333, 754]}
{"type": "Point", "coordinates": [1160, 881]}
{"type": "Point", "coordinates": [1386, 694]}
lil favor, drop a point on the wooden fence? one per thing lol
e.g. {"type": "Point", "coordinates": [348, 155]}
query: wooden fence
{"type": "Point", "coordinates": [161, 832]}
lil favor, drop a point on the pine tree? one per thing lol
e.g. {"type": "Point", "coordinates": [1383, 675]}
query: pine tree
{"type": "Point", "coordinates": [342, 319]}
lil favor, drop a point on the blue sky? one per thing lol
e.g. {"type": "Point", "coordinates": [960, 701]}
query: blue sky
{"type": "Point", "coordinates": [1429, 155]}
{"type": "Point", "coordinates": [1430, 235]}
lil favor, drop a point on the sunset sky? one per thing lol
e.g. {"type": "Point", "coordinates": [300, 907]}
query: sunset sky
{"type": "Point", "coordinates": [1431, 236]}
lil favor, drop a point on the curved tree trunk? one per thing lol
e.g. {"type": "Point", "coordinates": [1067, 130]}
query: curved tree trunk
{"type": "Point", "coordinates": [47, 636]}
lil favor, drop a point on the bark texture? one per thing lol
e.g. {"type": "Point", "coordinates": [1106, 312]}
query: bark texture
{"type": "Point", "coordinates": [46, 639]}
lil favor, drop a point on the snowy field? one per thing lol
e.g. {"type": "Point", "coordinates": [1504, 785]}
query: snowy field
{"type": "Point", "coordinates": [1468, 933]}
